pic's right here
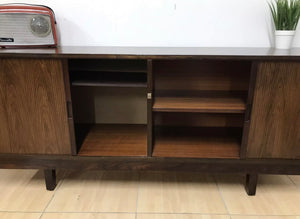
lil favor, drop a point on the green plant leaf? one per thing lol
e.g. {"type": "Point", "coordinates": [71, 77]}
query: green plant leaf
{"type": "Point", "coordinates": [285, 13]}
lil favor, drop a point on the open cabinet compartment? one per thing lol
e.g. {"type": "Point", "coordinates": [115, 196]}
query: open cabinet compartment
{"type": "Point", "coordinates": [201, 86]}
{"type": "Point", "coordinates": [197, 135]}
{"type": "Point", "coordinates": [199, 107]}
{"type": "Point", "coordinates": [109, 106]}
{"type": "Point", "coordinates": [108, 73]}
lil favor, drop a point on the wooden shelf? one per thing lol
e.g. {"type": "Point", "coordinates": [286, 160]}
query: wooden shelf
{"type": "Point", "coordinates": [115, 140]}
{"type": "Point", "coordinates": [86, 83]}
{"type": "Point", "coordinates": [110, 69]}
{"type": "Point", "coordinates": [200, 104]}
{"type": "Point", "coordinates": [197, 142]}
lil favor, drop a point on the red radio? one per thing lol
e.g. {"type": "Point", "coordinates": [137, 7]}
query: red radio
{"type": "Point", "coordinates": [23, 25]}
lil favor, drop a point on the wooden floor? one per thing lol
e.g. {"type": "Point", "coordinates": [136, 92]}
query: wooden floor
{"type": "Point", "coordinates": [115, 140]}
{"type": "Point", "coordinates": [196, 142]}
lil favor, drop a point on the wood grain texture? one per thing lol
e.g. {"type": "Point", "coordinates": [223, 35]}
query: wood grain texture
{"type": "Point", "coordinates": [33, 110]}
{"type": "Point", "coordinates": [200, 104]}
{"type": "Point", "coordinates": [275, 120]}
{"type": "Point", "coordinates": [115, 140]}
{"type": "Point", "coordinates": [247, 116]}
{"type": "Point", "coordinates": [196, 142]}
{"type": "Point", "coordinates": [261, 166]}
{"type": "Point", "coordinates": [5, 145]}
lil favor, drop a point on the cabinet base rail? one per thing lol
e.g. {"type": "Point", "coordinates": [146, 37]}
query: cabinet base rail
{"type": "Point", "coordinates": [259, 166]}
{"type": "Point", "coordinates": [251, 167]}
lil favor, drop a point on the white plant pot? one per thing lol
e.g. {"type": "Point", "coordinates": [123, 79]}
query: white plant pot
{"type": "Point", "coordinates": [284, 39]}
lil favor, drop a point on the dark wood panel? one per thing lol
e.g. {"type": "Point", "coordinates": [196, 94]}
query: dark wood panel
{"type": "Point", "coordinates": [199, 119]}
{"type": "Point", "coordinates": [4, 123]}
{"type": "Point", "coordinates": [69, 106]}
{"type": "Point", "coordinates": [100, 52]}
{"type": "Point", "coordinates": [201, 75]}
{"type": "Point", "coordinates": [200, 104]}
{"type": "Point", "coordinates": [248, 110]}
{"type": "Point", "coordinates": [269, 166]}
{"type": "Point", "coordinates": [33, 101]}
{"type": "Point", "coordinates": [149, 108]}
{"type": "Point", "coordinates": [115, 140]}
{"type": "Point", "coordinates": [275, 120]}
{"type": "Point", "coordinates": [196, 142]}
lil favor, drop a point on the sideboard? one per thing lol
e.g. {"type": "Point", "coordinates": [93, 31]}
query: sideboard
{"type": "Point", "coordinates": [227, 110]}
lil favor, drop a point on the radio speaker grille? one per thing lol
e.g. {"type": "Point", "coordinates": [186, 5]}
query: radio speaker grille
{"type": "Point", "coordinates": [17, 26]}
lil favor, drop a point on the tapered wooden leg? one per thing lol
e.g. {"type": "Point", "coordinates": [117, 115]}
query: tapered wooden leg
{"type": "Point", "coordinates": [251, 183]}
{"type": "Point", "coordinates": [50, 179]}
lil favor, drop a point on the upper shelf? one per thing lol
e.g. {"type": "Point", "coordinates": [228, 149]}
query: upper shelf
{"type": "Point", "coordinates": [154, 53]}
{"type": "Point", "coordinates": [109, 79]}
{"type": "Point", "coordinates": [108, 65]}
{"type": "Point", "coordinates": [108, 72]}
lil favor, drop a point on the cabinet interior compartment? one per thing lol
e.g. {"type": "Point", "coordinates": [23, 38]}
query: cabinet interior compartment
{"type": "Point", "coordinates": [197, 135]}
{"type": "Point", "coordinates": [199, 107]}
{"type": "Point", "coordinates": [109, 106]}
{"type": "Point", "coordinates": [108, 73]}
{"type": "Point", "coordinates": [201, 86]}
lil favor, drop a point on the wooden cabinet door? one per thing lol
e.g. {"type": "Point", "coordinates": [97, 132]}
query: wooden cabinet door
{"type": "Point", "coordinates": [275, 118]}
{"type": "Point", "coordinates": [33, 112]}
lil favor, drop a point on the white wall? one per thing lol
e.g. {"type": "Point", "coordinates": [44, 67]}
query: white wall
{"type": "Point", "coordinates": [224, 23]}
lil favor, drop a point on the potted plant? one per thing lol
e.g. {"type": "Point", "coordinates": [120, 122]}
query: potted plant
{"type": "Point", "coordinates": [285, 15]}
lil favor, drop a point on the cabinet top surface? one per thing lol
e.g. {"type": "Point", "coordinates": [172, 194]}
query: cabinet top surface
{"type": "Point", "coordinates": [153, 52]}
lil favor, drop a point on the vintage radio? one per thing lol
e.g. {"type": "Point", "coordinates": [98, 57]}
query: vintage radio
{"type": "Point", "coordinates": [23, 25]}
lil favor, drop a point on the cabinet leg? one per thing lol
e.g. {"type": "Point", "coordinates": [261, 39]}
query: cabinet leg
{"type": "Point", "coordinates": [251, 183]}
{"type": "Point", "coordinates": [50, 179]}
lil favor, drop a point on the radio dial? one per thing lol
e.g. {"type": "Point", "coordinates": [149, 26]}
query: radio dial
{"type": "Point", "coordinates": [40, 26]}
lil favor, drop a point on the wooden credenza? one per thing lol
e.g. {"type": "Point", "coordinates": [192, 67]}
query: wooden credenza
{"type": "Point", "coordinates": [198, 109]}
